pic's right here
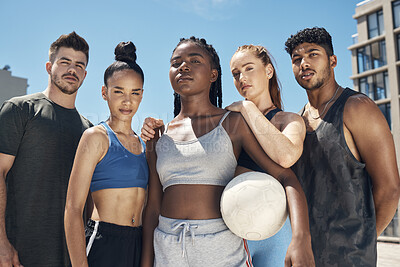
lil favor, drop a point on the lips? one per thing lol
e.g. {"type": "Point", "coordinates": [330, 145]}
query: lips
{"type": "Point", "coordinates": [184, 78]}
{"type": "Point", "coordinates": [307, 75]}
{"type": "Point", "coordinates": [70, 77]}
{"type": "Point", "coordinates": [245, 87]}
{"type": "Point", "coordinates": [125, 111]}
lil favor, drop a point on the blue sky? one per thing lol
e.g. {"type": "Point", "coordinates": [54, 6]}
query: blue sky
{"type": "Point", "coordinates": [155, 26]}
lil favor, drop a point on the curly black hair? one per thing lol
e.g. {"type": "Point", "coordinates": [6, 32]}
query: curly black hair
{"type": "Point", "coordinates": [314, 35]}
{"type": "Point", "coordinates": [216, 87]}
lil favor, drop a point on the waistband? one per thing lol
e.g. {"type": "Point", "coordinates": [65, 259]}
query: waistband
{"type": "Point", "coordinates": [114, 229]}
{"type": "Point", "coordinates": [202, 227]}
{"type": "Point", "coordinates": [183, 228]}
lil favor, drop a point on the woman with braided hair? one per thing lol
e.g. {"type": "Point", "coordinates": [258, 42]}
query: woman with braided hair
{"type": "Point", "coordinates": [192, 162]}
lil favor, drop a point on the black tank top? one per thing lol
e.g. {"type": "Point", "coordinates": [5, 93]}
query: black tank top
{"type": "Point", "coordinates": [244, 159]}
{"type": "Point", "coordinates": [339, 194]}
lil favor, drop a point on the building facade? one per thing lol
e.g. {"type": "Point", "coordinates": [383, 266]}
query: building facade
{"type": "Point", "coordinates": [376, 67]}
{"type": "Point", "coordinates": [11, 86]}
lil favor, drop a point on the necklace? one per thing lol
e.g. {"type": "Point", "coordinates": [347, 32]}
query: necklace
{"type": "Point", "coordinates": [326, 105]}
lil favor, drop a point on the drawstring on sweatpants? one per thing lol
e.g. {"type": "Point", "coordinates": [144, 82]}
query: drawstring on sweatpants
{"type": "Point", "coordinates": [186, 227]}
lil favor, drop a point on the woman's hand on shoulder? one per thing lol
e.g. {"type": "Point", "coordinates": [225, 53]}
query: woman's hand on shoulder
{"type": "Point", "coordinates": [149, 126]}
{"type": "Point", "coordinates": [239, 106]}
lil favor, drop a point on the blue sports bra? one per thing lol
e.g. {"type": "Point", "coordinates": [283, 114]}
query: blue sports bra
{"type": "Point", "coordinates": [120, 168]}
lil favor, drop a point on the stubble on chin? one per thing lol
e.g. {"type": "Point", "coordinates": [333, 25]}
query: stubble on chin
{"type": "Point", "coordinates": [63, 86]}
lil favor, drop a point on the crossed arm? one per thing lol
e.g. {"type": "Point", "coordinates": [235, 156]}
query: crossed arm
{"type": "Point", "coordinates": [281, 138]}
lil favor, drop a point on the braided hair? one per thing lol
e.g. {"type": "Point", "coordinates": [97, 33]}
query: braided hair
{"type": "Point", "coordinates": [216, 87]}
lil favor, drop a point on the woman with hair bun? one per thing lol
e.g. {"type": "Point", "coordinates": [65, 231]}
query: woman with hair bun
{"type": "Point", "coordinates": [110, 162]}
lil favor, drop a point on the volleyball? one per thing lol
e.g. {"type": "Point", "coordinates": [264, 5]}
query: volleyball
{"type": "Point", "coordinates": [253, 205]}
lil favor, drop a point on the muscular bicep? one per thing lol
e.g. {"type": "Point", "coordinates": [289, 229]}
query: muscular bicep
{"type": "Point", "coordinates": [6, 162]}
{"type": "Point", "coordinates": [372, 139]}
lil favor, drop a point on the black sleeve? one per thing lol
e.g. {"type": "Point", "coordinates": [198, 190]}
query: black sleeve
{"type": "Point", "coordinates": [12, 128]}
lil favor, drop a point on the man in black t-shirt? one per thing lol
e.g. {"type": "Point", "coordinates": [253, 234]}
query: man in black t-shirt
{"type": "Point", "coordinates": [39, 134]}
{"type": "Point", "coordinates": [348, 168]}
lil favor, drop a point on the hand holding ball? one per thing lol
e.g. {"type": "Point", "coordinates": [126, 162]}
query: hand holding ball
{"type": "Point", "coordinates": [253, 205]}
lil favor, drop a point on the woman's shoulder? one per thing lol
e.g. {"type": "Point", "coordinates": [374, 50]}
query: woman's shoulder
{"type": "Point", "coordinates": [95, 134]}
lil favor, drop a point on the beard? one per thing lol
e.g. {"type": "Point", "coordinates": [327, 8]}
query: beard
{"type": "Point", "coordinates": [320, 81]}
{"type": "Point", "coordinates": [63, 86]}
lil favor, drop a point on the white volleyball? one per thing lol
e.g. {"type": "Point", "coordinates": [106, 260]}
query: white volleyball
{"type": "Point", "coordinates": [253, 205]}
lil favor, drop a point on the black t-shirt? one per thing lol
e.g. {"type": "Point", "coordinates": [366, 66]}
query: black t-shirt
{"type": "Point", "coordinates": [43, 137]}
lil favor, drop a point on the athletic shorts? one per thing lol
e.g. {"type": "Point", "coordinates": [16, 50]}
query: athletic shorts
{"type": "Point", "coordinates": [110, 244]}
{"type": "Point", "coordinates": [198, 243]}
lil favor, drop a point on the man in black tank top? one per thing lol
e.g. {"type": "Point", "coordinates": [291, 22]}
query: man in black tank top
{"type": "Point", "coordinates": [348, 168]}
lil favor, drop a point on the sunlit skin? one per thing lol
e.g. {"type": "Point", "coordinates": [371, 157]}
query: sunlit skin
{"type": "Point", "coordinates": [312, 66]}
{"type": "Point", "coordinates": [121, 206]}
{"type": "Point", "coordinates": [282, 137]}
{"type": "Point", "coordinates": [191, 75]}
{"type": "Point", "coordinates": [250, 77]}
{"type": "Point", "coordinates": [366, 131]}
{"type": "Point", "coordinates": [68, 70]}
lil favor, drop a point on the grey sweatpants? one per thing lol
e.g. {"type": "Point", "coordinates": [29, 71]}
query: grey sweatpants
{"type": "Point", "coordinates": [198, 243]}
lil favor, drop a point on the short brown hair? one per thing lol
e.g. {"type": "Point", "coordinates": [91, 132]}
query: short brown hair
{"type": "Point", "coordinates": [72, 40]}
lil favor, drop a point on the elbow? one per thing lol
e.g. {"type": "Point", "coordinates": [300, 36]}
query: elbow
{"type": "Point", "coordinates": [390, 192]}
{"type": "Point", "coordinates": [285, 163]}
{"type": "Point", "coordinates": [287, 160]}
{"type": "Point", "coordinates": [396, 190]}
{"type": "Point", "coordinates": [71, 213]}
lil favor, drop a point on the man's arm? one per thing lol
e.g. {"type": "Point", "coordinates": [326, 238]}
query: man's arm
{"type": "Point", "coordinates": [8, 255]}
{"type": "Point", "coordinates": [369, 135]}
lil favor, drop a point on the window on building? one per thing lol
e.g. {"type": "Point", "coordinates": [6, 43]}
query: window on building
{"type": "Point", "coordinates": [375, 24]}
{"type": "Point", "coordinates": [396, 13]}
{"type": "Point", "coordinates": [385, 108]}
{"type": "Point", "coordinates": [398, 46]}
{"type": "Point", "coordinates": [371, 56]}
{"type": "Point", "coordinates": [375, 86]}
{"type": "Point", "coordinates": [398, 78]}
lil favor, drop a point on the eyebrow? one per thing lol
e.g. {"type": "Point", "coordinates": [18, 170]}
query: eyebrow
{"type": "Point", "coordinates": [69, 60]}
{"type": "Point", "coordinates": [121, 88]}
{"type": "Point", "coordinates": [307, 52]}
{"type": "Point", "coordinates": [244, 65]}
{"type": "Point", "coordinates": [190, 55]}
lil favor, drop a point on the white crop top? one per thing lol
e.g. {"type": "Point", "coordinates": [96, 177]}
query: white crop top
{"type": "Point", "coordinates": [208, 159]}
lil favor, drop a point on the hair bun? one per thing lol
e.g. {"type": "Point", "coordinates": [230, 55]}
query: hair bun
{"type": "Point", "coordinates": [126, 52]}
